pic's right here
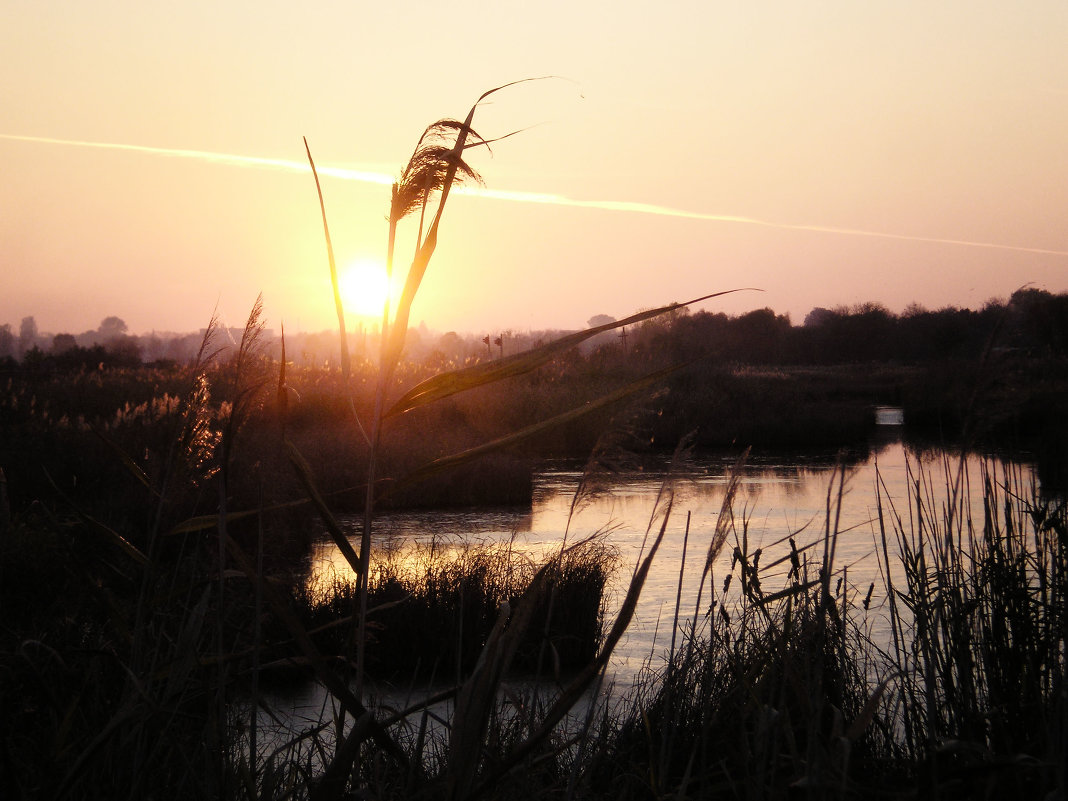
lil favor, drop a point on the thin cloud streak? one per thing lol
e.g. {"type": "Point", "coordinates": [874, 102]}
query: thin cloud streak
{"type": "Point", "coordinates": [527, 197]}
{"type": "Point", "coordinates": [218, 158]}
{"type": "Point", "coordinates": [667, 211]}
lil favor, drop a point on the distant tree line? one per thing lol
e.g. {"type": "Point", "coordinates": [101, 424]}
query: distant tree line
{"type": "Point", "coordinates": [1032, 322]}
{"type": "Point", "coordinates": [108, 346]}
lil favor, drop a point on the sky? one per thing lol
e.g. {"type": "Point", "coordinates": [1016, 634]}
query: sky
{"type": "Point", "coordinates": [822, 153]}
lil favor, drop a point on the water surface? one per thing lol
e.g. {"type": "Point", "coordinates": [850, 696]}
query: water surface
{"type": "Point", "coordinates": [798, 496]}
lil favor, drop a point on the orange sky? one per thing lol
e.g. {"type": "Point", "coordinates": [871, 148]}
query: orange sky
{"type": "Point", "coordinates": [828, 153]}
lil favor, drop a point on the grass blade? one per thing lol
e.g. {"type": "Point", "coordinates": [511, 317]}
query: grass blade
{"type": "Point", "coordinates": [345, 363]}
{"type": "Point", "coordinates": [449, 462]}
{"type": "Point", "coordinates": [446, 384]}
{"type": "Point", "coordinates": [336, 534]}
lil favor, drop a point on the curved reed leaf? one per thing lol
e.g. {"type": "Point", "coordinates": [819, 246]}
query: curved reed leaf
{"type": "Point", "coordinates": [449, 462]}
{"type": "Point", "coordinates": [304, 473]}
{"type": "Point", "coordinates": [582, 681]}
{"type": "Point", "coordinates": [446, 384]}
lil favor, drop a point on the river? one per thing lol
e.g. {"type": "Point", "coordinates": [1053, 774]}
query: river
{"type": "Point", "coordinates": [778, 497]}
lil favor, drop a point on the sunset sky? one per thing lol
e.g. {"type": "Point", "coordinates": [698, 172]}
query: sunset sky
{"type": "Point", "coordinates": [825, 152]}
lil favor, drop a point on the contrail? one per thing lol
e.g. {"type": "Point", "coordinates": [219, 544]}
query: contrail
{"type": "Point", "coordinates": [667, 211]}
{"type": "Point", "coordinates": [218, 158]}
{"type": "Point", "coordinates": [365, 176]}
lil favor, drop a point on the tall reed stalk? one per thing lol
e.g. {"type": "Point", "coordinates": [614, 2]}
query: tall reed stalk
{"type": "Point", "coordinates": [437, 164]}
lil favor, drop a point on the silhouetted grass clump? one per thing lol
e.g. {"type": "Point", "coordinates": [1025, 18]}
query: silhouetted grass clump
{"type": "Point", "coordinates": [980, 630]}
{"type": "Point", "coordinates": [791, 693]}
{"type": "Point", "coordinates": [436, 606]}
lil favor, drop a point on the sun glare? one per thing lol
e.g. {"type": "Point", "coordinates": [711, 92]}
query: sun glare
{"type": "Point", "coordinates": [363, 288]}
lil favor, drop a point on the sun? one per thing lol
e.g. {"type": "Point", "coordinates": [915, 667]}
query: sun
{"type": "Point", "coordinates": [364, 288]}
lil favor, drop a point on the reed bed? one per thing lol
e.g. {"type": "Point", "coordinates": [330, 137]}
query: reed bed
{"type": "Point", "coordinates": [979, 633]}
{"type": "Point", "coordinates": [790, 693]}
{"type": "Point", "coordinates": [436, 606]}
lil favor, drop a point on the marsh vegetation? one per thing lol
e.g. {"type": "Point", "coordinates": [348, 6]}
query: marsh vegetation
{"type": "Point", "coordinates": [153, 518]}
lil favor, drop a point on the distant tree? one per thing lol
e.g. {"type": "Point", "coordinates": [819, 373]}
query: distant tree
{"type": "Point", "coordinates": [1037, 320]}
{"type": "Point", "coordinates": [34, 359]}
{"type": "Point", "coordinates": [7, 341]}
{"type": "Point", "coordinates": [451, 345]}
{"type": "Point", "coordinates": [704, 334]}
{"type": "Point", "coordinates": [652, 338]}
{"type": "Point", "coordinates": [819, 316]}
{"type": "Point", "coordinates": [871, 308]}
{"type": "Point", "coordinates": [61, 343]}
{"type": "Point", "coordinates": [123, 351]}
{"type": "Point", "coordinates": [27, 334]}
{"type": "Point", "coordinates": [601, 340]}
{"type": "Point", "coordinates": [866, 333]}
{"type": "Point", "coordinates": [152, 348]}
{"type": "Point", "coordinates": [760, 335]}
{"type": "Point", "coordinates": [111, 327]}
{"type": "Point", "coordinates": [994, 306]}
{"type": "Point", "coordinates": [600, 319]}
